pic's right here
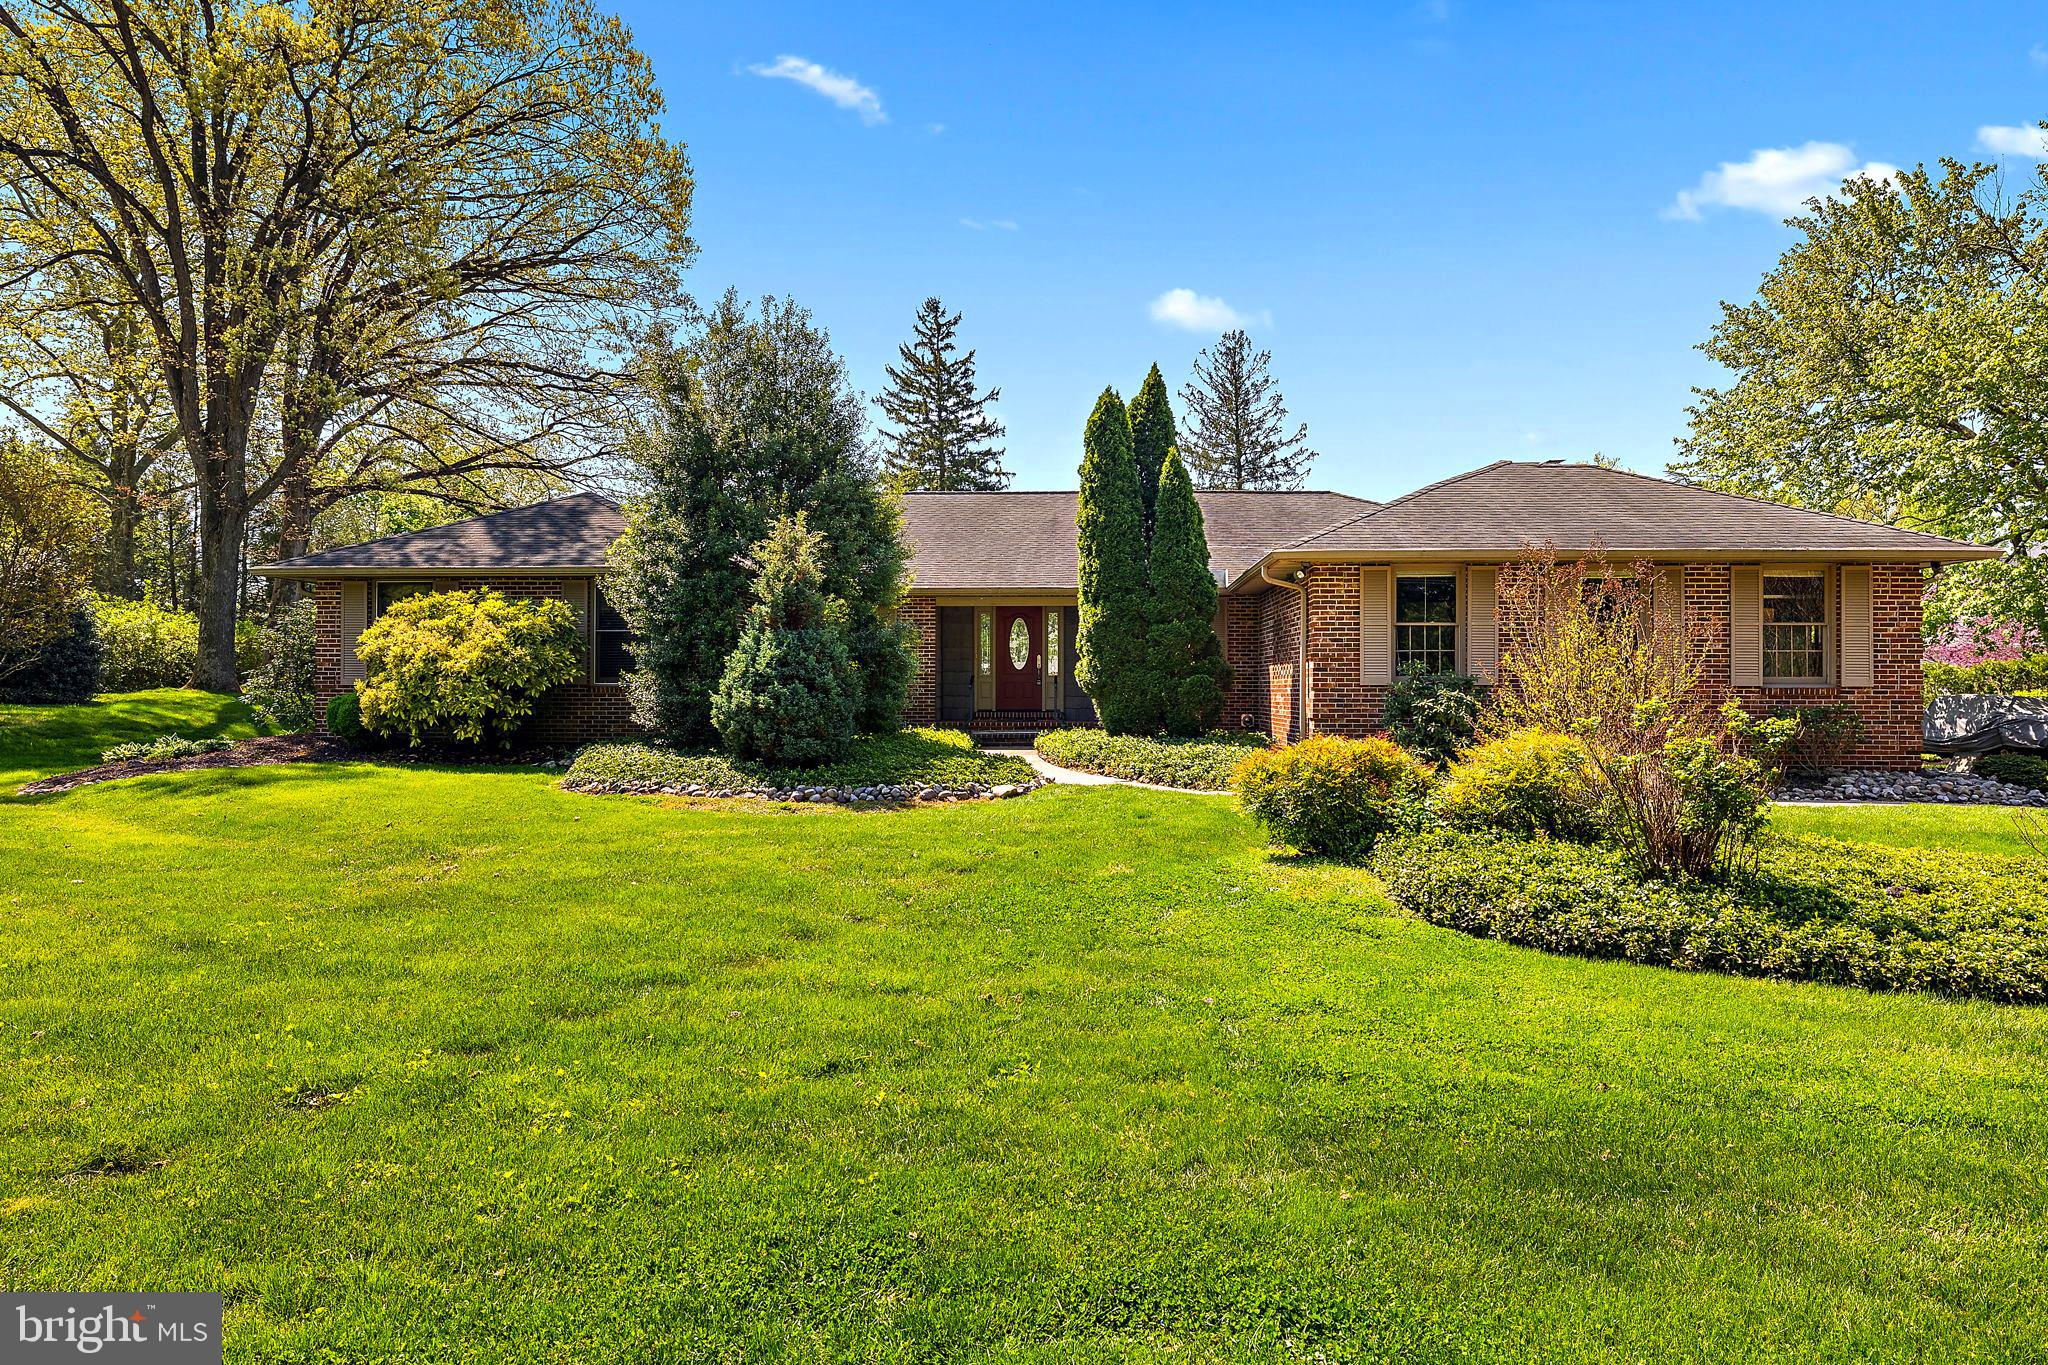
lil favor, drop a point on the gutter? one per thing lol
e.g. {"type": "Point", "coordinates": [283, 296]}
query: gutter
{"type": "Point", "coordinates": [1307, 700]}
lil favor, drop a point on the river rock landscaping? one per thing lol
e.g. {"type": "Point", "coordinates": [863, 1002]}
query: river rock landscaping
{"type": "Point", "coordinates": [1946, 788]}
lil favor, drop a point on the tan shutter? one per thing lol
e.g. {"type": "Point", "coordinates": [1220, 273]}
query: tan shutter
{"type": "Point", "coordinates": [355, 614]}
{"type": "Point", "coordinates": [1482, 624]}
{"type": "Point", "coordinates": [1858, 669]}
{"type": "Point", "coordinates": [1376, 626]}
{"type": "Point", "coordinates": [1746, 626]}
{"type": "Point", "coordinates": [576, 592]}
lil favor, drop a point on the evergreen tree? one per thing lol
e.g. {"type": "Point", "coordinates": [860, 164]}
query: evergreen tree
{"type": "Point", "coordinates": [1186, 668]}
{"type": "Point", "coordinates": [788, 693]}
{"type": "Point", "coordinates": [1110, 521]}
{"type": "Point", "coordinates": [1239, 437]}
{"type": "Point", "coordinates": [752, 419]}
{"type": "Point", "coordinates": [944, 437]}
{"type": "Point", "coordinates": [1152, 436]}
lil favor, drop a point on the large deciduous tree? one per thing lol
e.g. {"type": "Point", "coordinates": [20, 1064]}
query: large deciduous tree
{"type": "Point", "coordinates": [1186, 667]}
{"type": "Point", "coordinates": [944, 438]}
{"type": "Point", "coordinates": [1152, 436]}
{"type": "Point", "coordinates": [753, 419]}
{"type": "Point", "coordinates": [259, 183]}
{"type": "Point", "coordinates": [1111, 663]}
{"type": "Point", "coordinates": [1238, 436]}
{"type": "Point", "coordinates": [1890, 366]}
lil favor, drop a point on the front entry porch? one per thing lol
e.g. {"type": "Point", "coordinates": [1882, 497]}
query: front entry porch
{"type": "Point", "coordinates": [1006, 669]}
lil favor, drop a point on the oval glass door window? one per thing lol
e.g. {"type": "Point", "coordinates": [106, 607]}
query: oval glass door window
{"type": "Point", "coordinates": [1020, 645]}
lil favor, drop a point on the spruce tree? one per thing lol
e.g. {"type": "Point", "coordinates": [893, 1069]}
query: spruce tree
{"type": "Point", "coordinates": [1185, 662]}
{"type": "Point", "coordinates": [1152, 436]}
{"type": "Point", "coordinates": [944, 438]}
{"type": "Point", "coordinates": [1110, 521]}
{"type": "Point", "coordinates": [788, 692]}
{"type": "Point", "coordinates": [1238, 436]}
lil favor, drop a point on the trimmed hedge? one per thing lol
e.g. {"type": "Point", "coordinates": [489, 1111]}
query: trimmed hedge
{"type": "Point", "coordinates": [1333, 797]}
{"type": "Point", "coordinates": [1999, 677]}
{"type": "Point", "coordinates": [941, 758]}
{"type": "Point", "coordinates": [1813, 910]}
{"type": "Point", "coordinates": [1203, 763]}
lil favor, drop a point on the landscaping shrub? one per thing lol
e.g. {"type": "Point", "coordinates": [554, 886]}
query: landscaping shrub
{"type": "Point", "coordinates": [151, 646]}
{"type": "Point", "coordinates": [281, 687]}
{"type": "Point", "coordinates": [1433, 714]}
{"type": "Point", "coordinates": [945, 758]}
{"type": "Point", "coordinates": [788, 696]}
{"type": "Point", "coordinates": [1813, 910]}
{"type": "Point", "coordinates": [2025, 770]}
{"type": "Point", "coordinates": [164, 746]}
{"type": "Point", "coordinates": [470, 663]}
{"type": "Point", "coordinates": [1821, 737]}
{"type": "Point", "coordinates": [66, 667]}
{"type": "Point", "coordinates": [1203, 763]}
{"type": "Point", "coordinates": [1999, 677]}
{"type": "Point", "coordinates": [1332, 796]}
{"type": "Point", "coordinates": [1528, 783]}
{"type": "Point", "coordinates": [345, 721]}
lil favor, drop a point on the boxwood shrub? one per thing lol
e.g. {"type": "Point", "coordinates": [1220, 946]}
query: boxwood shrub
{"type": "Point", "coordinates": [1333, 797]}
{"type": "Point", "coordinates": [943, 758]}
{"type": "Point", "coordinates": [1199, 764]}
{"type": "Point", "coordinates": [2024, 770]}
{"type": "Point", "coordinates": [1812, 910]}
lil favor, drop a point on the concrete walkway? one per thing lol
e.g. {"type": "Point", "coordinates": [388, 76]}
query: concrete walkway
{"type": "Point", "coordinates": [1076, 778]}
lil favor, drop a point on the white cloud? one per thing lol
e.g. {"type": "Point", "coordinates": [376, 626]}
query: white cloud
{"type": "Point", "coordinates": [2013, 140]}
{"type": "Point", "coordinates": [2038, 55]}
{"type": "Point", "coordinates": [1199, 312]}
{"type": "Point", "coordinates": [1777, 180]}
{"type": "Point", "coordinates": [984, 224]}
{"type": "Point", "coordinates": [844, 91]}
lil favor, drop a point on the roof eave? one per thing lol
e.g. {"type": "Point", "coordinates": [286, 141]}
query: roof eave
{"type": "Point", "coordinates": [1939, 553]}
{"type": "Point", "coordinates": [288, 569]}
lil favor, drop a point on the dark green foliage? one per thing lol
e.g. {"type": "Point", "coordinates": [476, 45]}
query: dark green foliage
{"type": "Point", "coordinates": [753, 419]}
{"type": "Point", "coordinates": [1333, 797]}
{"type": "Point", "coordinates": [1433, 714]}
{"type": "Point", "coordinates": [65, 669]}
{"type": "Point", "coordinates": [1111, 642]}
{"type": "Point", "coordinates": [165, 746]}
{"type": "Point", "coordinates": [1184, 664]}
{"type": "Point", "coordinates": [1813, 910]}
{"type": "Point", "coordinates": [904, 758]}
{"type": "Point", "coordinates": [345, 721]}
{"type": "Point", "coordinates": [1998, 677]}
{"type": "Point", "coordinates": [2024, 770]}
{"type": "Point", "coordinates": [1822, 737]}
{"type": "Point", "coordinates": [1204, 763]}
{"type": "Point", "coordinates": [1152, 436]}
{"type": "Point", "coordinates": [281, 688]}
{"type": "Point", "coordinates": [944, 437]}
{"type": "Point", "coordinates": [788, 693]}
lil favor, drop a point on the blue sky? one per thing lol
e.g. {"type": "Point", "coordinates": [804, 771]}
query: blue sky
{"type": "Point", "coordinates": [1466, 231]}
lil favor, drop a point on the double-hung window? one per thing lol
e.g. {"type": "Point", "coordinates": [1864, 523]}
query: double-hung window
{"type": "Point", "coordinates": [390, 591]}
{"type": "Point", "coordinates": [1795, 625]}
{"type": "Point", "coordinates": [611, 640]}
{"type": "Point", "coordinates": [1426, 623]}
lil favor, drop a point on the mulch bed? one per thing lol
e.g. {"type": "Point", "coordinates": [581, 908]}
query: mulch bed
{"type": "Point", "coordinates": [273, 749]}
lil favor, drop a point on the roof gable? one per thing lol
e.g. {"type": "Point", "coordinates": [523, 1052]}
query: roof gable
{"type": "Point", "coordinates": [566, 533]}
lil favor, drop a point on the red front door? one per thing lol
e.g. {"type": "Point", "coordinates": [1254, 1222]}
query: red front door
{"type": "Point", "coordinates": [1020, 658]}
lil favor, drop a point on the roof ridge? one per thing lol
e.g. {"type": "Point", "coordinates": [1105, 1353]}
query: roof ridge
{"type": "Point", "coordinates": [1389, 506]}
{"type": "Point", "coordinates": [1772, 502]}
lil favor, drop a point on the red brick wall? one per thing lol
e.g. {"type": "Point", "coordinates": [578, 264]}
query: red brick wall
{"type": "Point", "coordinates": [1890, 710]}
{"type": "Point", "coordinates": [1245, 701]}
{"type": "Point", "coordinates": [1280, 639]}
{"type": "Point", "coordinates": [923, 706]}
{"type": "Point", "coordinates": [575, 713]}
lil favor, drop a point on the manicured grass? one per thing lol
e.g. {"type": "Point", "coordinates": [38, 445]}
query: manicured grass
{"type": "Point", "coordinates": [907, 758]}
{"type": "Point", "coordinates": [1963, 829]}
{"type": "Point", "coordinates": [37, 741]}
{"type": "Point", "coordinates": [1200, 764]}
{"type": "Point", "coordinates": [435, 1065]}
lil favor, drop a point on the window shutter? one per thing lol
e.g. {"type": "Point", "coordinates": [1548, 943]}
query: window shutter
{"type": "Point", "coordinates": [1858, 668]}
{"type": "Point", "coordinates": [1482, 623]}
{"type": "Point", "coordinates": [1746, 626]}
{"type": "Point", "coordinates": [1376, 626]}
{"type": "Point", "coordinates": [355, 613]}
{"type": "Point", "coordinates": [576, 592]}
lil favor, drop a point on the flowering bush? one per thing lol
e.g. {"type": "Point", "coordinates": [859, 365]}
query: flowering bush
{"type": "Point", "coordinates": [1982, 640]}
{"type": "Point", "coordinates": [1332, 796]}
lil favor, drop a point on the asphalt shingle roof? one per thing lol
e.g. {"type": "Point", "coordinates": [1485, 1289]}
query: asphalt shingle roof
{"type": "Point", "coordinates": [566, 533]}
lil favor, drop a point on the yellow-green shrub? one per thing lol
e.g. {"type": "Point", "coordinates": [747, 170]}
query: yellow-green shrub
{"type": "Point", "coordinates": [1526, 782]}
{"type": "Point", "coordinates": [1332, 796]}
{"type": "Point", "coordinates": [470, 663]}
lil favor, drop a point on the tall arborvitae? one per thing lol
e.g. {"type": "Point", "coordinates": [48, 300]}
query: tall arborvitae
{"type": "Point", "coordinates": [944, 438]}
{"type": "Point", "coordinates": [1111, 542]}
{"type": "Point", "coordinates": [1237, 436]}
{"type": "Point", "coordinates": [1151, 437]}
{"type": "Point", "coordinates": [1186, 669]}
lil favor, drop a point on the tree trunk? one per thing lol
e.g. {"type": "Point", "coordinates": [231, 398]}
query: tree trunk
{"type": "Point", "coordinates": [116, 575]}
{"type": "Point", "coordinates": [220, 555]}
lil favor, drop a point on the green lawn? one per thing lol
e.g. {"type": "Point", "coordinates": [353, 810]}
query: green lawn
{"type": "Point", "coordinates": [1970, 829]}
{"type": "Point", "coordinates": [36, 741]}
{"type": "Point", "coordinates": [436, 1065]}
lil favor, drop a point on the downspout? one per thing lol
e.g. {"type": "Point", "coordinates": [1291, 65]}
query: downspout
{"type": "Point", "coordinates": [1307, 697]}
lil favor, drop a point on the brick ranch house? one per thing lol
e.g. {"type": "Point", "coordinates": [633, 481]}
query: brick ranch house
{"type": "Point", "coordinates": [1324, 597]}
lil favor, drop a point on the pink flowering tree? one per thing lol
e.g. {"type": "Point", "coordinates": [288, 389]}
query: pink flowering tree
{"type": "Point", "coordinates": [1981, 639]}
